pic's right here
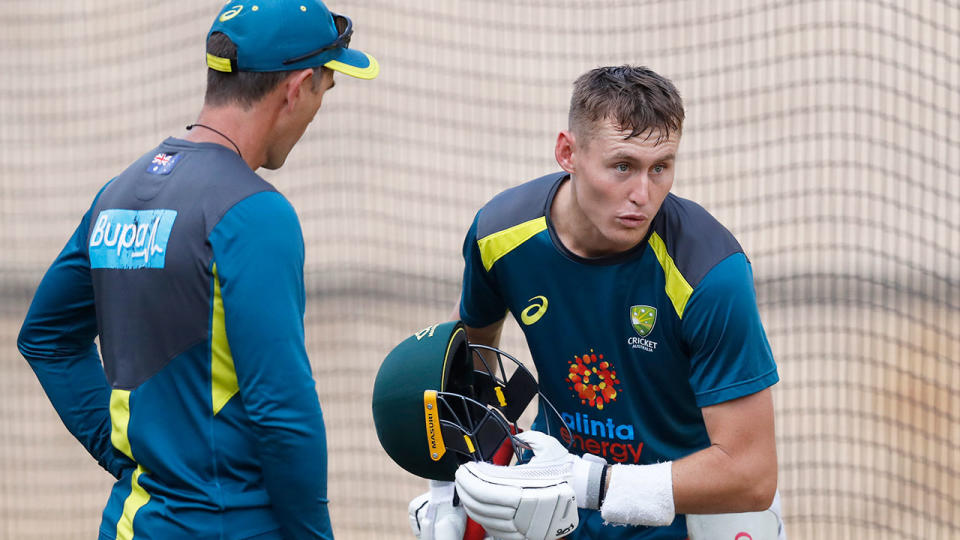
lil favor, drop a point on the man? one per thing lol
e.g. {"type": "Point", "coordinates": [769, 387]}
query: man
{"type": "Point", "coordinates": [189, 266]}
{"type": "Point", "coordinates": [641, 317]}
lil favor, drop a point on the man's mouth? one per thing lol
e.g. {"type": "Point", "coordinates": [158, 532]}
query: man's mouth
{"type": "Point", "coordinates": [631, 220]}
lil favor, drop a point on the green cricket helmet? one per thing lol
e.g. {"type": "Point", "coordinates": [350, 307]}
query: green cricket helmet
{"type": "Point", "coordinates": [434, 411]}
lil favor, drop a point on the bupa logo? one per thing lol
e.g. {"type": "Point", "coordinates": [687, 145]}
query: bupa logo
{"type": "Point", "coordinates": [131, 239]}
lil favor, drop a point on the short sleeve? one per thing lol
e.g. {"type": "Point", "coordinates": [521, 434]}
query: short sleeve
{"type": "Point", "coordinates": [730, 356]}
{"type": "Point", "coordinates": [480, 301]}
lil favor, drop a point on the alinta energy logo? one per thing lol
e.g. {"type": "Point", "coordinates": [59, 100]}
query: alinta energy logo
{"type": "Point", "coordinates": [595, 382]}
{"type": "Point", "coordinates": [593, 379]}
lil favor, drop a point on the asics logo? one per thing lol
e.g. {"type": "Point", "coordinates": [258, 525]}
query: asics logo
{"type": "Point", "coordinates": [130, 239]}
{"type": "Point", "coordinates": [232, 12]}
{"type": "Point", "coordinates": [533, 312]}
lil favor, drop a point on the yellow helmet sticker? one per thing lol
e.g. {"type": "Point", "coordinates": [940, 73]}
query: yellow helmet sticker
{"type": "Point", "coordinates": [431, 416]}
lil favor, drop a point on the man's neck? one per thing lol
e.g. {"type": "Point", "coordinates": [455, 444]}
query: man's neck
{"type": "Point", "coordinates": [237, 129]}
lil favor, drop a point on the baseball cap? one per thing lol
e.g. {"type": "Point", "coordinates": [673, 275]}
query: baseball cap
{"type": "Point", "coordinates": [285, 35]}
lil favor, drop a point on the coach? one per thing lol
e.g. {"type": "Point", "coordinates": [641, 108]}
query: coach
{"type": "Point", "coordinates": [189, 267]}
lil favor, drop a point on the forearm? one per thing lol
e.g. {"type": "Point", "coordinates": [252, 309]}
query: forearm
{"type": "Point", "coordinates": [293, 457]}
{"type": "Point", "coordinates": [736, 473]}
{"type": "Point", "coordinates": [487, 335]}
{"type": "Point", "coordinates": [707, 482]}
{"type": "Point", "coordinates": [78, 390]}
{"type": "Point", "coordinates": [714, 481]}
{"type": "Point", "coordinates": [57, 339]}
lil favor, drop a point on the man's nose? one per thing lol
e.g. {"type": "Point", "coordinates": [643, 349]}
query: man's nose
{"type": "Point", "coordinates": [640, 190]}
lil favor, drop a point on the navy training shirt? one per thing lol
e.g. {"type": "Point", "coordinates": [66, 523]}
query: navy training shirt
{"type": "Point", "coordinates": [628, 347]}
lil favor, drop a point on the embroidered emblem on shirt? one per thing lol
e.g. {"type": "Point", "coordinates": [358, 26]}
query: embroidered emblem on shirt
{"type": "Point", "coordinates": [643, 318]}
{"type": "Point", "coordinates": [163, 163]}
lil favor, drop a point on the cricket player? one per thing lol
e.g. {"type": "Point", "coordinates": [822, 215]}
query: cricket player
{"type": "Point", "coordinates": [189, 268]}
{"type": "Point", "coordinates": [641, 317]}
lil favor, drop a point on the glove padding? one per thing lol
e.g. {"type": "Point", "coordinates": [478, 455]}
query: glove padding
{"type": "Point", "coordinates": [584, 474]}
{"type": "Point", "coordinates": [765, 525]}
{"type": "Point", "coordinates": [755, 525]}
{"type": "Point", "coordinates": [536, 501]}
{"type": "Point", "coordinates": [433, 515]}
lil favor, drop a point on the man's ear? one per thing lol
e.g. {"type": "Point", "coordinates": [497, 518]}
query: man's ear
{"type": "Point", "coordinates": [295, 86]}
{"type": "Point", "coordinates": [565, 152]}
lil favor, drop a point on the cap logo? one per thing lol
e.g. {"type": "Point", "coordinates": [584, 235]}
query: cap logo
{"type": "Point", "coordinates": [231, 13]}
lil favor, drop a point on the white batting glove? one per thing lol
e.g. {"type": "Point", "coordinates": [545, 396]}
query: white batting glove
{"type": "Point", "coordinates": [537, 500]}
{"type": "Point", "coordinates": [433, 515]}
{"type": "Point", "coordinates": [585, 473]}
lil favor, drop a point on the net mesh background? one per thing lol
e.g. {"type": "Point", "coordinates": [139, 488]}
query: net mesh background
{"type": "Point", "coordinates": [824, 134]}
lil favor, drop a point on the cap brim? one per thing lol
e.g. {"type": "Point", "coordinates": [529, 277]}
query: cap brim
{"type": "Point", "coordinates": [354, 63]}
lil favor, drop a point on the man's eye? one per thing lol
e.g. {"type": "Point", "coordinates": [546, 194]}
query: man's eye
{"type": "Point", "coordinates": [657, 169]}
{"type": "Point", "coordinates": [622, 167]}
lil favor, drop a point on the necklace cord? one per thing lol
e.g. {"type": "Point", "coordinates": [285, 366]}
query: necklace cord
{"type": "Point", "coordinates": [218, 132]}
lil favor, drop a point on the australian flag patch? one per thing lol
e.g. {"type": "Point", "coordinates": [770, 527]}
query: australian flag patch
{"type": "Point", "coordinates": [163, 163]}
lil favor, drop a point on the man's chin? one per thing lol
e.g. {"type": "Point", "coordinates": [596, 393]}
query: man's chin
{"type": "Point", "coordinates": [274, 163]}
{"type": "Point", "coordinates": [628, 238]}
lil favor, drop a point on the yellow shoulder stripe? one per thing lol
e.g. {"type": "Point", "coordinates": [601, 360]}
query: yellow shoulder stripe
{"type": "Point", "coordinates": [678, 290]}
{"type": "Point", "coordinates": [500, 243]}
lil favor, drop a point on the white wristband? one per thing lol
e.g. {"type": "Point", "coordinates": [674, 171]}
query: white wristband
{"type": "Point", "coordinates": [585, 475]}
{"type": "Point", "coordinates": [640, 495]}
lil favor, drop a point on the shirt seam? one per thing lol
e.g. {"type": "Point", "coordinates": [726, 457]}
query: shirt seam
{"type": "Point", "coordinates": [713, 391]}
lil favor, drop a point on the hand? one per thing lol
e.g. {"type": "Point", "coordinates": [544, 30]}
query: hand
{"type": "Point", "coordinates": [584, 474]}
{"type": "Point", "coordinates": [433, 515]}
{"type": "Point", "coordinates": [536, 500]}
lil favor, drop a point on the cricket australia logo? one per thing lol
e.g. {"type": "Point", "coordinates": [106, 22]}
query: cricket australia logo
{"type": "Point", "coordinates": [643, 319]}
